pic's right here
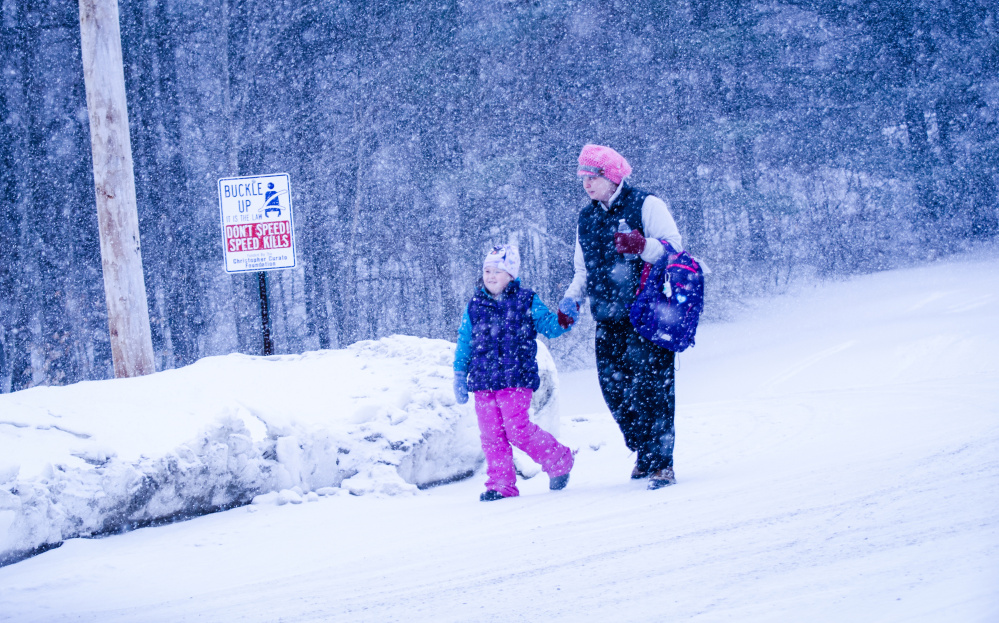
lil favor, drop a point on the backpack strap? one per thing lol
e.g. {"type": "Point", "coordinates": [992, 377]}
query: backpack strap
{"type": "Point", "coordinates": [647, 268]}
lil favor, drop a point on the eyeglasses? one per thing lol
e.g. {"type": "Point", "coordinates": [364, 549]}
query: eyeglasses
{"type": "Point", "coordinates": [583, 169]}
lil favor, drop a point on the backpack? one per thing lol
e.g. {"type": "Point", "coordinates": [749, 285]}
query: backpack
{"type": "Point", "coordinates": [670, 300]}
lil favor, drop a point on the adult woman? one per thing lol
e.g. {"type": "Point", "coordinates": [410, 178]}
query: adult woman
{"type": "Point", "coordinates": [636, 376]}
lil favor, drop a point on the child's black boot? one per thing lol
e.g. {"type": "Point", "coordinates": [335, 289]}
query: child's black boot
{"type": "Point", "coordinates": [558, 482]}
{"type": "Point", "coordinates": [490, 496]}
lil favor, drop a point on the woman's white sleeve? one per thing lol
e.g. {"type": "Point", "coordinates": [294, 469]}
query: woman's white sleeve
{"type": "Point", "coordinates": [577, 289]}
{"type": "Point", "coordinates": [658, 223]}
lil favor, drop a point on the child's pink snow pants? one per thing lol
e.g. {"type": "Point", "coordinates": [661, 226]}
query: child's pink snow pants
{"type": "Point", "coordinates": [503, 421]}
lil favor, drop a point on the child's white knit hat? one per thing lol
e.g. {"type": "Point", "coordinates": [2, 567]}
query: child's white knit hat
{"type": "Point", "coordinates": [505, 257]}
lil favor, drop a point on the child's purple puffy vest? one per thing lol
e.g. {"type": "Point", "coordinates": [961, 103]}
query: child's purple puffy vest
{"type": "Point", "coordinates": [504, 350]}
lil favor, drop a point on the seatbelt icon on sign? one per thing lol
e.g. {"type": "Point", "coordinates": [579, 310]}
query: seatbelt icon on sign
{"type": "Point", "coordinates": [272, 200]}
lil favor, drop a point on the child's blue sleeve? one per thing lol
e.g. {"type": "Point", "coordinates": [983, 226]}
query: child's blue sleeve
{"type": "Point", "coordinates": [463, 352]}
{"type": "Point", "coordinates": [545, 320]}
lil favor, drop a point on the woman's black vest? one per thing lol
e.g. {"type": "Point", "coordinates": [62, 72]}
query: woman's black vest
{"type": "Point", "coordinates": [611, 281]}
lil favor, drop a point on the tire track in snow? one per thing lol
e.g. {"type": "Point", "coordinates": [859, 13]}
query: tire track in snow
{"type": "Point", "coordinates": [804, 364]}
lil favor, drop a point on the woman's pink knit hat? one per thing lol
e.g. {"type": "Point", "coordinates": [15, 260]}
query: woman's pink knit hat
{"type": "Point", "coordinates": [603, 161]}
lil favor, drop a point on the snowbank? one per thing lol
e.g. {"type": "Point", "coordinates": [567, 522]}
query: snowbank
{"type": "Point", "coordinates": [378, 417]}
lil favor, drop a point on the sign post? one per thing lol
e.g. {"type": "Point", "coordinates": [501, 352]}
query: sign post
{"type": "Point", "coordinates": [258, 231]}
{"type": "Point", "coordinates": [265, 321]}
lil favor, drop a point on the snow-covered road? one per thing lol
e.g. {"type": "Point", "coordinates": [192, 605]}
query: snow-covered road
{"type": "Point", "coordinates": [837, 460]}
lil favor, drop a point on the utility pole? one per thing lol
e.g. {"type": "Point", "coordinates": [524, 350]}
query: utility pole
{"type": "Point", "coordinates": [114, 185]}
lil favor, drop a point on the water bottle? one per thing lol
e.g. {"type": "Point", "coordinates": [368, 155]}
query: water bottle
{"type": "Point", "coordinates": [622, 228]}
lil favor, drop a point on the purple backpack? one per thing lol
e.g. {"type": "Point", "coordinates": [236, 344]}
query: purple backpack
{"type": "Point", "coordinates": [670, 300]}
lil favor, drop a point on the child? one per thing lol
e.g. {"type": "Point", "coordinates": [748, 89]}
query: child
{"type": "Point", "coordinates": [496, 359]}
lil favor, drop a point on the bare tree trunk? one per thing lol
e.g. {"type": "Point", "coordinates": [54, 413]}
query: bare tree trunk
{"type": "Point", "coordinates": [352, 326]}
{"type": "Point", "coordinates": [114, 183]}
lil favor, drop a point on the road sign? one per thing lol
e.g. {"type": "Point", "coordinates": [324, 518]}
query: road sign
{"type": "Point", "coordinates": [258, 232]}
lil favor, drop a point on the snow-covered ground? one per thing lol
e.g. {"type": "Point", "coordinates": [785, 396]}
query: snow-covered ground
{"type": "Point", "coordinates": [837, 459]}
{"type": "Point", "coordinates": [378, 417]}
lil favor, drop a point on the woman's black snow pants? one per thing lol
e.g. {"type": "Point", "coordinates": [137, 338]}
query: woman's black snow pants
{"type": "Point", "coordinates": [636, 378]}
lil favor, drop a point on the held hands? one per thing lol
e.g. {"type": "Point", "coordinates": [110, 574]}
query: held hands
{"type": "Point", "coordinates": [632, 242]}
{"type": "Point", "coordinates": [461, 387]}
{"type": "Point", "coordinates": [568, 312]}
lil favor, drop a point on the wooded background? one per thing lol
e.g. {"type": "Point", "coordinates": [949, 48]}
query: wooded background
{"type": "Point", "coordinates": [805, 139]}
